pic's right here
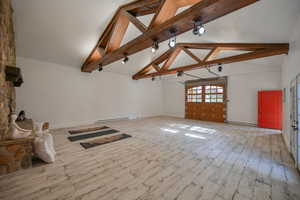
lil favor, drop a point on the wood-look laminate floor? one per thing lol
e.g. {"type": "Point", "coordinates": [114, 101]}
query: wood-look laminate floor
{"type": "Point", "coordinates": [166, 159]}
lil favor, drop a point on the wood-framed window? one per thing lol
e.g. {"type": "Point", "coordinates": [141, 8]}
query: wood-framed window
{"type": "Point", "coordinates": [214, 94]}
{"type": "Point", "coordinates": [195, 94]}
{"type": "Point", "coordinates": [207, 94]}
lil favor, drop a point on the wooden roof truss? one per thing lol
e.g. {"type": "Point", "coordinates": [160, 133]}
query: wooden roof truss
{"type": "Point", "coordinates": [108, 49]}
{"type": "Point", "coordinates": [252, 51]}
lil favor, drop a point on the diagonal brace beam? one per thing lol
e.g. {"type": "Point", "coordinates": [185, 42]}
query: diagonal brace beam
{"type": "Point", "coordinates": [208, 10]}
{"type": "Point", "coordinates": [278, 49]}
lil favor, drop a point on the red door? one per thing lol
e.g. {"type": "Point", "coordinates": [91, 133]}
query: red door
{"type": "Point", "coordinates": [270, 109]}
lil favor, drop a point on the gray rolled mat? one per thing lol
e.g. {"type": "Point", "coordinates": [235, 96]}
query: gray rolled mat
{"type": "Point", "coordinates": [72, 132]}
{"type": "Point", "coordinates": [104, 140]}
{"type": "Point", "coordinates": [91, 135]}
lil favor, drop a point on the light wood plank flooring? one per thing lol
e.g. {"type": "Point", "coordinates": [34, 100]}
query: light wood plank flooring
{"type": "Point", "coordinates": [166, 159]}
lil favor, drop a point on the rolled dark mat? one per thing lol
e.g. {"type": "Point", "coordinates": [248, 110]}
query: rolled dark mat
{"type": "Point", "coordinates": [72, 132]}
{"type": "Point", "coordinates": [104, 140]}
{"type": "Point", "coordinates": [91, 135]}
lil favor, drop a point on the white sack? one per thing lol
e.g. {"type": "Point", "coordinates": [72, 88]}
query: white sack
{"type": "Point", "coordinates": [44, 148]}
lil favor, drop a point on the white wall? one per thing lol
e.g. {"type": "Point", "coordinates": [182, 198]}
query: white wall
{"type": "Point", "coordinates": [64, 96]}
{"type": "Point", "coordinates": [242, 94]}
{"type": "Point", "coordinates": [174, 103]}
{"type": "Point", "coordinates": [244, 81]}
{"type": "Point", "coordinates": [290, 68]}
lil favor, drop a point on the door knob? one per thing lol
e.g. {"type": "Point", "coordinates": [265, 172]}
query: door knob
{"type": "Point", "coordinates": [295, 127]}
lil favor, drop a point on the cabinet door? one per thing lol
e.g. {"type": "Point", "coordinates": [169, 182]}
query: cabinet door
{"type": "Point", "coordinates": [270, 109]}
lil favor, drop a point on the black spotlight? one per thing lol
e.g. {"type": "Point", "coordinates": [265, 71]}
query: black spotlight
{"type": "Point", "coordinates": [153, 78]}
{"type": "Point", "coordinates": [172, 40]}
{"type": "Point", "coordinates": [125, 60]}
{"type": "Point", "coordinates": [220, 68]}
{"type": "Point", "coordinates": [155, 46]}
{"type": "Point", "coordinates": [100, 68]}
{"type": "Point", "coordinates": [198, 27]}
{"type": "Point", "coordinates": [179, 74]}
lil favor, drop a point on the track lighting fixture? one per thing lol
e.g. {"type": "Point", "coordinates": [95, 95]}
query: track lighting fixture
{"type": "Point", "coordinates": [180, 73]}
{"type": "Point", "coordinates": [153, 78]}
{"type": "Point", "coordinates": [172, 40]}
{"type": "Point", "coordinates": [125, 60]}
{"type": "Point", "coordinates": [155, 46]}
{"type": "Point", "coordinates": [220, 68]}
{"type": "Point", "coordinates": [100, 68]}
{"type": "Point", "coordinates": [198, 27]}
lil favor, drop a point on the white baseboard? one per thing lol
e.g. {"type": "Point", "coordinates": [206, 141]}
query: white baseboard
{"type": "Point", "coordinates": [242, 123]}
{"type": "Point", "coordinates": [112, 119]}
{"type": "Point", "coordinates": [174, 115]}
{"type": "Point", "coordinates": [229, 122]}
{"type": "Point", "coordinates": [72, 124]}
{"type": "Point", "coordinates": [286, 141]}
{"type": "Point", "coordinates": [90, 122]}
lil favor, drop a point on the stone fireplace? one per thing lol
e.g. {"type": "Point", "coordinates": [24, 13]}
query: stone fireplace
{"type": "Point", "coordinates": [7, 58]}
{"type": "Point", "coordinates": [14, 154]}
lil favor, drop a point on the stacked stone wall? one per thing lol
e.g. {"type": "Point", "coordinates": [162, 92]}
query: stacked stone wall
{"type": "Point", "coordinates": [7, 58]}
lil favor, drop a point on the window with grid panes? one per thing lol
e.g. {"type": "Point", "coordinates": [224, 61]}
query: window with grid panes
{"type": "Point", "coordinates": [213, 94]}
{"type": "Point", "coordinates": [194, 95]}
{"type": "Point", "coordinates": [207, 94]}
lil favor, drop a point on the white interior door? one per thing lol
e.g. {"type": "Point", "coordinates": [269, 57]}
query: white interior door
{"type": "Point", "coordinates": [298, 121]}
{"type": "Point", "coordinates": [295, 119]}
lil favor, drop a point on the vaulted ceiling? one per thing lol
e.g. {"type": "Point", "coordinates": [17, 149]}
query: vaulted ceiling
{"type": "Point", "coordinates": [65, 31]}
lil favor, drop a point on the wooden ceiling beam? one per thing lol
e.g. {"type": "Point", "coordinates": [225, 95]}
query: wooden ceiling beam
{"type": "Point", "coordinates": [135, 21]}
{"type": "Point", "coordinates": [183, 3]}
{"type": "Point", "coordinates": [198, 60]}
{"type": "Point", "coordinates": [140, 4]}
{"type": "Point", "coordinates": [107, 34]}
{"type": "Point", "coordinates": [157, 61]}
{"type": "Point", "coordinates": [231, 46]}
{"type": "Point", "coordinates": [171, 59]}
{"type": "Point", "coordinates": [163, 57]}
{"type": "Point", "coordinates": [144, 71]}
{"type": "Point", "coordinates": [212, 54]}
{"type": "Point", "coordinates": [97, 54]}
{"type": "Point", "coordinates": [208, 10]}
{"type": "Point", "coordinates": [148, 68]}
{"type": "Point", "coordinates": [118, 33]}
{"type": "Point", "coordinates": [142, 12]}
{"type": "Point", "coordinates": [166, 11]}
{"type": "Point", "coordinates": [142, 7]}
{"type": "Point", "coordinates": [156, 67]}
{"type": "Point", "coordinates": [274, 49]}
{"type": "Point", "coordinates": [102, 42]}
